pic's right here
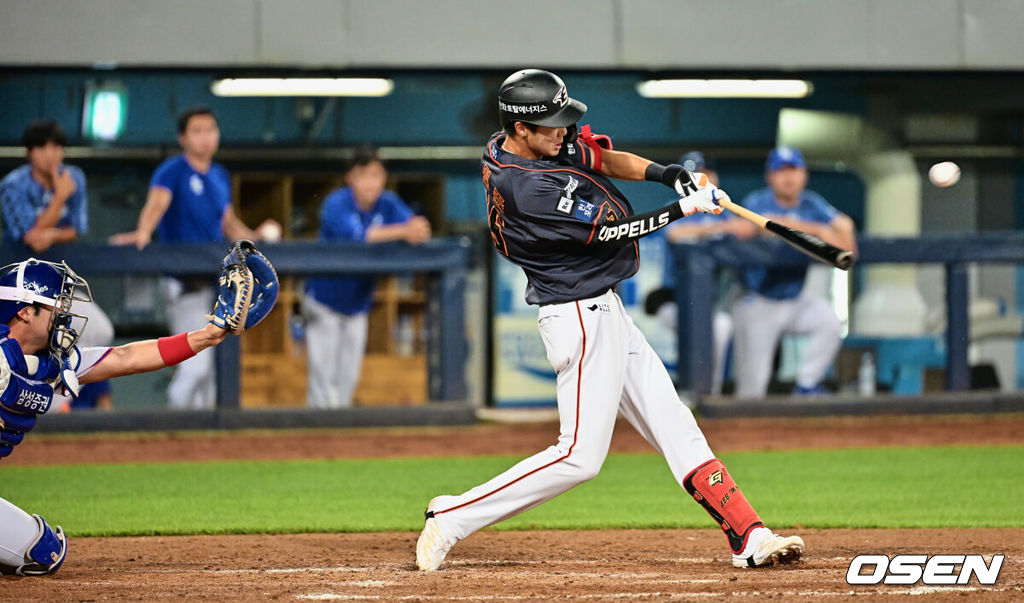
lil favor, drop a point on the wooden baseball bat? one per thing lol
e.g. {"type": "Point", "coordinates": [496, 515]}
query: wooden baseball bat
{"type": "Point", "coordinates": [802, 241]}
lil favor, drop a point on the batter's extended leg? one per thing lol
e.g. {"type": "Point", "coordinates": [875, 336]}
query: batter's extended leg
{"type": "Point", "coordinates": [650, 403]}
{"type": "Point", "coordinates": [586, 348]}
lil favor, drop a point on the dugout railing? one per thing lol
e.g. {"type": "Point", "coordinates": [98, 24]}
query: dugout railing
{"type": "Point", "coordinates": [695, 266]}
{"type": "Point", "coordinates": [445, 261]}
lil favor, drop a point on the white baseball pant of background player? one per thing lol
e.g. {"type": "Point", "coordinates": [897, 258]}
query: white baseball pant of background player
{"type": "Point", "coordinates": [760, 322]}
{"type": "Point", "coordinates": [193, 384]}
{"type": "Point", "coordinates": [98, 332]}
{"type": "Point", "coordinates": [604, 366]}
{"type": "Point", "coordinates": [721, 336]}
{"type": "Point", "coordinates": [337, 343]}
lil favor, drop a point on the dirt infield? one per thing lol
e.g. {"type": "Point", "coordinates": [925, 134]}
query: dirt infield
{"type": "Point", "coordinates": [539, 565]}
{"type": "Point", "coordinates": [603, 566]}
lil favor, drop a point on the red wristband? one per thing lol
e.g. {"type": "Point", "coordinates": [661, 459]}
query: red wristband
{"type": "Point", "coordinates": [174, 349]}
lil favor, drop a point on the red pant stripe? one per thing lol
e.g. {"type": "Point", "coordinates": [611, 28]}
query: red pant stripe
{"type": "Point", "coordinates": [575, 433]}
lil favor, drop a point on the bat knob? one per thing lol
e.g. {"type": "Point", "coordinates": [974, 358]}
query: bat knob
{"type": "Point", "coordinates": [844, 260]}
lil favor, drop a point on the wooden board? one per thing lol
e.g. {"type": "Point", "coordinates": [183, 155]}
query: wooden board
{"type": "Point", "coordinates": [388, 380]}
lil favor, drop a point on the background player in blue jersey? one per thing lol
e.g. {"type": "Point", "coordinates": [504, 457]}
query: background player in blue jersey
{"type": "Point", "coordinates": [335, 308]}
{"type": "Point", "coordinates": [554, 211]}
{"type": "Point", "coordinates": [44, 203]}
{"type": "Point", "coordinates": [774, 301]}
{"type": "Point", "coordinates": [189, 201]}
{"type": "Point", "coordinates": [698, 227]}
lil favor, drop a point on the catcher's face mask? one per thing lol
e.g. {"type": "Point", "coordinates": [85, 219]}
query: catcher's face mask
{"type": "Point", "coordinates": [73, 287]}
{"type": "Point", "coordinates": [50, 284]}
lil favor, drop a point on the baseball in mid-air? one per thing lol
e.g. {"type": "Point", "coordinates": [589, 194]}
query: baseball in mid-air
{"type": "Point", "coordinates": [270, 232]}
{"type": "Point", "coordinates": [944, 174]}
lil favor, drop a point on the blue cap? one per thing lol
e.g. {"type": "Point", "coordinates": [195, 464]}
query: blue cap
{"type": "Point", "coordinates": [695, 161]}
{"type": "Point", "coordinates": [781, 157]}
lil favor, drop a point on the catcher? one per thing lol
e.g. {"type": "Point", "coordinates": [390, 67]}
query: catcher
{"type": "Point", "coordinates": [40, 355]}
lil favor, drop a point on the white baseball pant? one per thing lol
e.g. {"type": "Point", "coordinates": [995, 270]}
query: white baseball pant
{"type": "Point", "coordinates": [99, 331]}
{"type": "Point", "coordinates": [336, 344]}
{"type": "Point", "coordinates": [721, 335]}
{"type": "Point", "coordinates": [19, 532]}
{"type": "Point", "coordinates": [759, 324]}
{"type": "Point", "coordinates": [604, 366]}
{"type": "Point", "coordinates": [193, 384]}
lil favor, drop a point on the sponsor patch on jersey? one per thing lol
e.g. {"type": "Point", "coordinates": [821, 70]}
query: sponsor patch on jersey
{"type": "Point", "coordinates": [634, 229]}
{"type": "Point", "coordinates": [196, 184]}
{"type": "Point", "coordinates": [585, 211]}
{"type": "Point", "coordinates": [571, 187]}
{"type": "Point", "coordinates": [565, 205]}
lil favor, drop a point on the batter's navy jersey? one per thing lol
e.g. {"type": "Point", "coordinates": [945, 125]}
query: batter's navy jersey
{"type": "Point", "coordinates": [555, 217]}
{"type": "Point", "coordinates": [784, 283]}
{"type": "Point", "coordinates": [198, 201]}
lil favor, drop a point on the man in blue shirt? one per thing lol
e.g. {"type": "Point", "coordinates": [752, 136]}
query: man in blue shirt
{"type": "Point", "coordinates": [44, 200]}
{"type": "Point", "coordinates": [695, 228]}
{"type": "Point", "coordinates": [189, 201]}
{"type": "Point", "coordinates": [44, 203]}
{"type": "Point", "coordinates": [775, 302]}
{"type": "Point", "coordinates": [336, 308]}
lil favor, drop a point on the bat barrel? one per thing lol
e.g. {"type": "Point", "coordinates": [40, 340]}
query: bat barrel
{"type": "Point", "coordinates": [812, 246]}
{"type": "Point", "coordinates": [844, 260]}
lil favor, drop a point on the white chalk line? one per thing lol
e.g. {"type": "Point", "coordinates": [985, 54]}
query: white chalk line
{"type": "Point", "coordinates": [924, 590]}
{"type": "Point", "coordinates": [452, 563]}
{"type": "Point", "coordinates": [584, 596]}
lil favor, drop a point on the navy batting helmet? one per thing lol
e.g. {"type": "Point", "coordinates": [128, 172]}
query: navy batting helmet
{"type": "Point", "coordinates": [537, 97]}
{"type": "Point", "coordinates": [53, 285]}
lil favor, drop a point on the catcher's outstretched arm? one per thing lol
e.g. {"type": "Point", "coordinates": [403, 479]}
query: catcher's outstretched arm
{"type": "Point", "coordinates": [154, 354]}
{"type": "Point", "coordinates": [247, 292]}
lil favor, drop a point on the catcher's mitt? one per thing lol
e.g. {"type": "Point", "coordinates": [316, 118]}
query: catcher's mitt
{"type": "Point", "coordinates": [248, 289]}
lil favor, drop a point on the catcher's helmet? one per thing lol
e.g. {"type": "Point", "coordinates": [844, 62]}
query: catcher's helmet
{"type": "Point", "coordinates": [37, 282]}
{"type": "Point", "coordinates": [537, 97]}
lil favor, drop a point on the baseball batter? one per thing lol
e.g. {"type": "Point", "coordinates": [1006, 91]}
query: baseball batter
{"type": "Point", "coordinates": [554, 211]}
{"type": "Point", "coordinates": [40, 353]}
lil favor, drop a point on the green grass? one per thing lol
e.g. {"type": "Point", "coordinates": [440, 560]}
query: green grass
{"type": "Point", "coordinates": [879, 487]}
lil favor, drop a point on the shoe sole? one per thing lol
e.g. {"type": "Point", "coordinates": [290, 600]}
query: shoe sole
{"type": "Point", "coordinates": [424, 559]}
{"type": "Point", "coordinates": [783, 556]}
